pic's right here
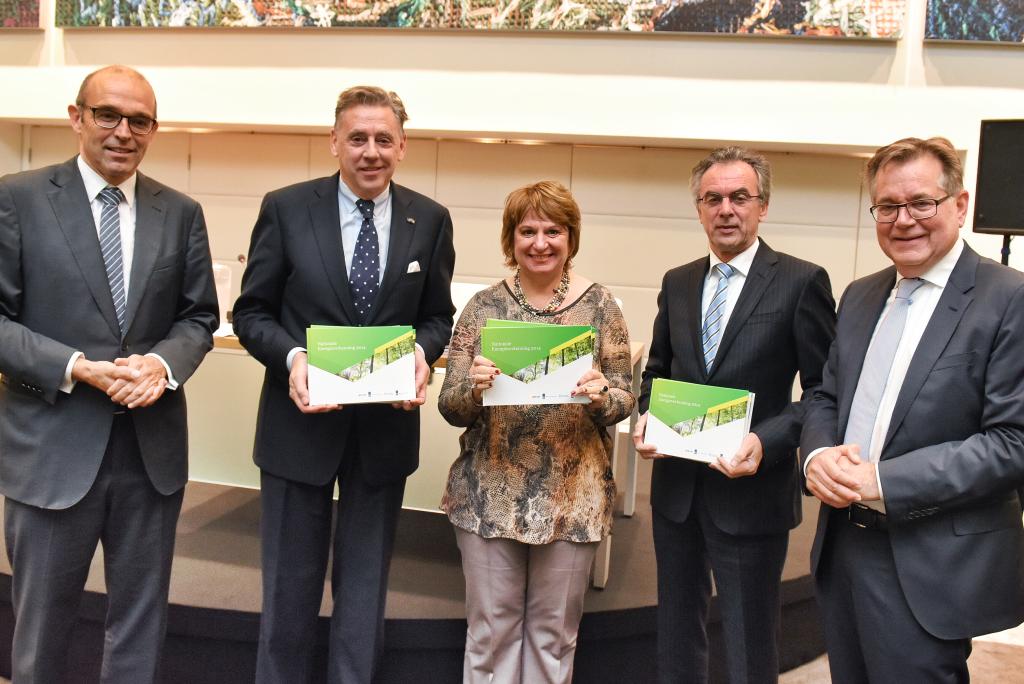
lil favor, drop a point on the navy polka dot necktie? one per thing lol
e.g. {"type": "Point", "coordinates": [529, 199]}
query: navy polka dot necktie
{"type": "Point", "coordinates": [365, 273]}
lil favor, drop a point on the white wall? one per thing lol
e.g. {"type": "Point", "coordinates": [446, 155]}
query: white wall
{"type": "Point", "coordinates": [10, 148]}
{"type": "Point", "coordinates": [624, 116]}
{"type": "Point", "coordinates": [638, 220]}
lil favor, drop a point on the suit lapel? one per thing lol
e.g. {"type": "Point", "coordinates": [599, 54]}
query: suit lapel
{"type": "Point", "coordinates": [949, 310]}
{"type": "Point", "coordinates": [762, 272]}
{"type": "Point", "coordinates": [403, 226]}
{"type": "Point", "coordinates": [694, 289]}
{"type": "Point", "coordinates": [74, 216]}
{"type": "Point", "coordinates": [150, 213]}
{"type": "Point", "coordinates": [859, 337]}
{"type": "Point", "coordinates": [326, 223]}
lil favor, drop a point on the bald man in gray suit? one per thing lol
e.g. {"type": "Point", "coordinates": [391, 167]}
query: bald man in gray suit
{"type": "Point", "coordinates": [107, 305]}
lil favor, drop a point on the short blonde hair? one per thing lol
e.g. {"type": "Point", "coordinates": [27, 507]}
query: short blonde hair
{"type": "Point", "coordinates": [548, 199]}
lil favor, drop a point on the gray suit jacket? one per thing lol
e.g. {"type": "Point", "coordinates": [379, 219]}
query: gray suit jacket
{"type": "Point", "coordinates": [55, 300]}
{"type": "Point", "coordinates": [953, 458]}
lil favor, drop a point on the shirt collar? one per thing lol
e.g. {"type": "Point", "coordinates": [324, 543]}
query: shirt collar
{"type": "Point", "coordinates": [348, 198]}
{"type": "Point", "coordinates": [938, 274]}
{"type": "Point", "coordinates": [742, 261]}
{"type": "Point", "coordinates": [94, 183]}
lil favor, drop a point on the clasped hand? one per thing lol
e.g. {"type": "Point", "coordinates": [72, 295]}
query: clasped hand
{"type": "Point", "coordinates": [839, 477]}
{"type": "Point", "coordinates": [135, 382]}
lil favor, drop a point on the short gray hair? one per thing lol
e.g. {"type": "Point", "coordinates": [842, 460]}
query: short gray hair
{"type": "Point", "coordinates": [734, 153]}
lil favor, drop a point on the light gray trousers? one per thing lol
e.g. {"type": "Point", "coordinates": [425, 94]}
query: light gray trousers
{"type": "Point", "coordinates": [523, 604]}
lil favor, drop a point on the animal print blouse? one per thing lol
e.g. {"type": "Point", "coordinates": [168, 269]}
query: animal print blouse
{"type": "Point", "coordinates": [535, 474]}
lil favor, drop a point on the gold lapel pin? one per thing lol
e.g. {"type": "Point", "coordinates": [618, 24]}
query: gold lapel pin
{"type": "Point", "coordinates": [410, 219]}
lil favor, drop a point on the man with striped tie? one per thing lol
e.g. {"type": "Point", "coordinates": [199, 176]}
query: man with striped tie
{"type": "Point", "coordinates": [107, 305]}
{"type": "Point", "coordinates": [746, 317]}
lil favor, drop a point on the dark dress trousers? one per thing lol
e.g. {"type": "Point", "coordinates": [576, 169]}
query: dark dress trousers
{"type": "Point", "coordinates": [781, 325]}
{"type": "Point", "coordinates": [950, 563]}
{"type": "Point", "coordinates": [296, 277]}
{"type": "Point", "coordinates": [73, 473]}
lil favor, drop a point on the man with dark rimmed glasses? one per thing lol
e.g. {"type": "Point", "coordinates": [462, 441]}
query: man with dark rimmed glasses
{"type": "Point", "coordinates": [915, 441]}
{"type": "Point", "coordinates": [107, 306]}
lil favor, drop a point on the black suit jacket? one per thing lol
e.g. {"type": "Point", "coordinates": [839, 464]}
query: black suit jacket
{"type": "Point", "coordinates": [55, 299]}
{"type": "Point", "coordinates": [296, 277]}
{"type": "Point", "coordinates": [782, 324]}
{"type": "Point", "coordinates": [953, 458]}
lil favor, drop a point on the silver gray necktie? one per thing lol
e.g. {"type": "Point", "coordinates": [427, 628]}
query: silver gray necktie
{"type": "Point", "coordinates": [877, 364]}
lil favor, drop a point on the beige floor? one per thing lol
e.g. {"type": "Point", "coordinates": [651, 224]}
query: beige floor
{"type": "Point", "coordinates": [995, 659]}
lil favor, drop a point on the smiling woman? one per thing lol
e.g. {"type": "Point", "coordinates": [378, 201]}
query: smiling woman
{"type": "Point", "coordinates": [532, 489]}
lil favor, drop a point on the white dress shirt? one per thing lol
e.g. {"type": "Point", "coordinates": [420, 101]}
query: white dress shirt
{"type": "Point", "coordinates": [922, 306]}
{"type": "Point", "coordinates": [741, 264]}
{"type": "Point", "coordinates": [94, 184]}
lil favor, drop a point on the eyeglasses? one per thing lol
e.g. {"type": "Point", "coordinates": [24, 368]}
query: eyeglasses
{"type": "Point", "coordinates": [740, 198]}
{"type": "Point", "coordinates": [109, 118]}
{"type": "Point", "coordinates": [916, 209]}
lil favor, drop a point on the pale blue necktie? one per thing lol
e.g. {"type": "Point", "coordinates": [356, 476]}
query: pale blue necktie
{"type": "Point", "coordinates": [711, 334]}
{"type": "Point", "coordinates": [877, 364]}
{"type": "Point", "coordinates": [110, 247]}
{"type": "Point", "coordinates": [364, 275]}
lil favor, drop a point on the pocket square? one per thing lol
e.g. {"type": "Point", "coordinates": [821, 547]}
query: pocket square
{"type": "Point", "coordinates": [414, 267]}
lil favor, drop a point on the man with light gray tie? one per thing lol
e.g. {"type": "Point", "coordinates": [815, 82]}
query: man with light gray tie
{"type": "Point", "coordinates": [107, 305]}
{"type": "Point", "coordinates": [915, 441]}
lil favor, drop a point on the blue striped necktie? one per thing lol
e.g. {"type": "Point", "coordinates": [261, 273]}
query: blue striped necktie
{"type": "Point", "coordinates": [364, 276]}
{"type": "Point", "coordinates": [711, 334]}
{"type": "Point", "coordinates": [110, 246]}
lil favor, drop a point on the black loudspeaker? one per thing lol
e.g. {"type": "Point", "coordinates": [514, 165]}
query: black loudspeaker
{"type": "Point", "coordinates": [999, 197]}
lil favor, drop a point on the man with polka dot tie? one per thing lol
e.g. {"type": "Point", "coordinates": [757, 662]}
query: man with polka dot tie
{"type": "Point", "coordinates": [352, 249]}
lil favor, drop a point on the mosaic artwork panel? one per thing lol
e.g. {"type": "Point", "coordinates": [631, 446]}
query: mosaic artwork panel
{"type": "Point", "coordinates": [837, 18]}
{"type": "Point", "coordinates": [1000, 21]}
{"type": "Point", "coordinates": [19, 13]}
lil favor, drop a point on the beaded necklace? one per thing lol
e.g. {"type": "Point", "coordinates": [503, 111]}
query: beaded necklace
{"type": "Point", "coordinates": [560, 292]}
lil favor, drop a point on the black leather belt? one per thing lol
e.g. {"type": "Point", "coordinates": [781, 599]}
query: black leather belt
{"type": "Point", "coordinates": [860, 515]}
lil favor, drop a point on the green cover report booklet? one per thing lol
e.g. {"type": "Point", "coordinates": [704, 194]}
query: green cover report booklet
{"type": "Point", "coordinates": [539, 363]}
{"type": "Point", "coordinates": [699, 422]}
{"type": "Point", "coordinates": [353, 365]}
